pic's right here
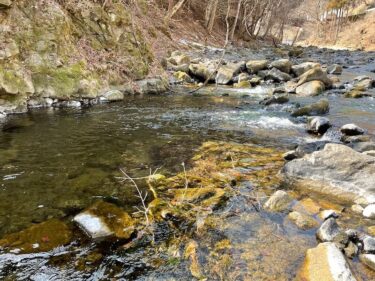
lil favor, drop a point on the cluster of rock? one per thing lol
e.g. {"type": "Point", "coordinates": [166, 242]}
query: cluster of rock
{"type": "Point", "coordinates": [328, 259]}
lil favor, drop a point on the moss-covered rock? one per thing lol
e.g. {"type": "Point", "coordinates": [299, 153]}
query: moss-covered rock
{"type": "Point", "coordinates": [41, 237]}
{"type": "Point", "coordinates": [319, 108]}
{"type": "Point", "coordinates": [105, 220]}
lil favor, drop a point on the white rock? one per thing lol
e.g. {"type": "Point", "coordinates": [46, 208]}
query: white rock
{"type": "Point", "coordinates": [352, 130]}
{"type": "Point", "coordinates": [369, 211]}
{"type": "Point", "coordinates": [368, 260]}
{"type": "Point", "coordinates": [279, 201]}
{"type": "Point", "coordinates": [92, 225]}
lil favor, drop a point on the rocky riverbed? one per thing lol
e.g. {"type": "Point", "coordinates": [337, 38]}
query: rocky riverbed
{"type": "Point", "coordinates": [266, 173]}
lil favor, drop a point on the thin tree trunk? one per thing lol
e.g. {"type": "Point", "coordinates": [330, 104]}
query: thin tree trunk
{"type": "Point", "coordinates": [174, 10]}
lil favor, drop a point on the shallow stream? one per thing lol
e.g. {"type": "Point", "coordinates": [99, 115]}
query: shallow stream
{"type": "Point", "coordinates": [55, 163]}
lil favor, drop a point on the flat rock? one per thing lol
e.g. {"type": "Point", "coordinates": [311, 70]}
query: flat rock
{"type": "Point", "coordinates": [335, 170]}
{"type": "Point", "coordinates": [325, 263]}
{"type": "Point", "coordinates": [254, 66]}
{"type": "Point", "coordinates": [104, 220]}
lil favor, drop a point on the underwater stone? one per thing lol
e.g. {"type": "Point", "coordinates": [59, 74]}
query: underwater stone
{"type": "Point", "coordinates": [278, 202]}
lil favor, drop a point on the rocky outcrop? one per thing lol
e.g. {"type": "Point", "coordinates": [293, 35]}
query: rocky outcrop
{"type": "Point", "coordinates": [325, 262]}
{"type": "Point", "coordinates": [67, 51]}
{"type": "Point", "coordinates": [337, 170]}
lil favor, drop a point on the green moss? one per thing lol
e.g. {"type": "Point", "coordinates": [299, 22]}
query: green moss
{"type": "Point", "coordinates": [64, 81]}
{"type": "Point", "coordinates": [38, 238]}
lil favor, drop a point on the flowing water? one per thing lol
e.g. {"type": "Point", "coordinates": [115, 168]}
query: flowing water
{"type": "Point", "coordinates": [55, 163]}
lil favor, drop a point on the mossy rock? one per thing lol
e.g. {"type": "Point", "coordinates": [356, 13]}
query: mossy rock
{"type": "Point", "coordinates": [15, 81]}
{"type": "Point", "coordinates": [41, 237]}
{"type": "Point", "coordinates": [356, 93]}
{"type": "Point", "coordinates": [319, 108]}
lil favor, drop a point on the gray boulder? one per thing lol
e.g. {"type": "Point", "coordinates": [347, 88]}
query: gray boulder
{"type": "Point", "coordinates": [368, 244]}
{"type": "Point", "coordinates": [226, 73]}
{"type": "Point", "coordinates": [278, 76]}
{"type": "Point", "coordinates": [152, 86]}
{"type": "Point", "coordinates": [283, 65]}
{"type": "Point", "coordinates": [330, 231]}
{"type": "Point", "coordinates": [113, 95]}
{"type": "Point", "coordinates": [337, 170]}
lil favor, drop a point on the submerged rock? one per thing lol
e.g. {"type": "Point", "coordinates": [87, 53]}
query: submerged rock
{"type": "Point", "coordinates": [312, 88]}
{"type": "Point", "coordinates": [278, 202]}
{"type": "Point", "coordinates": [325, 262]}
{"type": "Point", "coordinates": [290, 155]}
{"type": "Point", "coordinates": [104, 220]}
{"type": "Point", "coordinates": [275, 100]}
{"type": "Point", "coordinates": [334, 170]}
{"type": "Point", "coordinates": [319, 108]}
{"type": "Point", "coordinates": [302, 221]}
{"type": "Point", "coordinates": [41, 237]}
{"type": "Point", "coordinates": [205, 196]}
{"type": "Point", "coordinates": [318, 125]}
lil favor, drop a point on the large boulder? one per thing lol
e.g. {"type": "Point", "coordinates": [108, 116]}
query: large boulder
{"type": "Point", "coordinates": [152, 86]}
{"type": "Point", "coordinates": [337, 170]}
{"type": "Point", "coordinates": [178, 58]}
{"type": "Point", "coordinates": [315, 73]}
{"type": "Point", "coordinates": [203, 71]}
{"type": "Point", "coordinates": [312, 88]}
{"type": "Point", "coordinates": [325, 263]}
{"type": "Point", "coordinates": [112, 95]}
{"type": "Point", "coordinates": [283, 65]}
{"type": "Point", "coordinates": [105, 220]}
{"type": "Point", "coordinates": [226, 73]}
{"type": "Point", "coordinates": [300, 69]}
{"type": "Point", "coordinates": [319, 108]}
{"type": "Point", "coordinates": [254, 66]}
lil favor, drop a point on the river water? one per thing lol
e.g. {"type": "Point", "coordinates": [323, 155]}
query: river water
{"type": "Point", "coordinates": [54, 163]}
